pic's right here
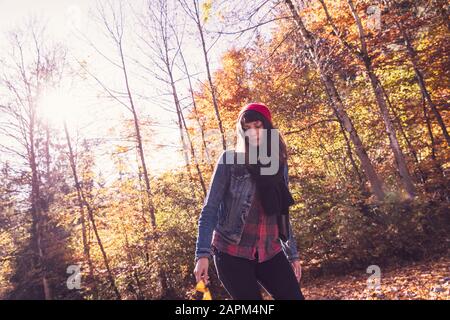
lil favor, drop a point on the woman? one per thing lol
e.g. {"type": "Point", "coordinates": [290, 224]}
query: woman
{"type": "Point", "coordinates": [241, 223]}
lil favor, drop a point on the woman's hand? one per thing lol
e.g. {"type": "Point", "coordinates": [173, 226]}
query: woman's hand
{"type": "Point", "coordinates": [201, 270]}
{"type": "Point", "coordinates": [297, 267]}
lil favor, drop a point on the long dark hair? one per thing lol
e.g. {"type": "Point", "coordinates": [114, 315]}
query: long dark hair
{"type": "Point", "coordinates": [252, 115]}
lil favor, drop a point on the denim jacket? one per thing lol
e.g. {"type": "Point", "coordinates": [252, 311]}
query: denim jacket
{"type": "Point", "coordinates": [227, 205]}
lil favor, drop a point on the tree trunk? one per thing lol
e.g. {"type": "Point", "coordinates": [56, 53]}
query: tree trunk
{"type": "Point", "coordinates": [433, 144]}
{"type": "Point", "coordinates": [376, 86]}
{"type": "Point", "coordinates": [180, 127]}
{"type": "Point", "coordinates": [149, 200]}
{"type": "Point", "coordinates": [86, 248]}
{"type": "Point", "coordinates": [132, 262]}
{"type": "Point", "coordinates": [202, 129]}
{"type": "Point", "coordinates": [350, 156]}
{"type": "Point", "coordinates": [84, 203]}
{"type": "Point", "coordinates": [181, 120]}
{"type": "Point", "coordinates": [36, 206]}
{"type": "Point", "coordinates": [183, 127]}
{"type": "Point", "coordinates": [208, 72]}
{"type": "Point", "coordinates": [412, 54]}
{"type": "Point", "coordinates": [421, 174]}
{"type": "Point", "coordinates": [338, 107]}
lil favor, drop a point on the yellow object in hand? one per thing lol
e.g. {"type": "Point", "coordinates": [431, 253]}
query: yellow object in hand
{"type": "Point", "coordinates": [201, 287]}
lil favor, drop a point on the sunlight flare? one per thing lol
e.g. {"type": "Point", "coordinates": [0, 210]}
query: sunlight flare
{"type": "Point", "coordinates": [58, 105]}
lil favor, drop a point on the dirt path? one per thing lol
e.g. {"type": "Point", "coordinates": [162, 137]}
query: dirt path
{"type": "Point", "coordinates": [422, 280]}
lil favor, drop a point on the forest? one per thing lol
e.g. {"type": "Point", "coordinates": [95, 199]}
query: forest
{"type": "Point", "coordinates": [113, 114]}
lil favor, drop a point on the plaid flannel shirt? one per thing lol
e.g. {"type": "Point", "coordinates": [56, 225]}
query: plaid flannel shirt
{"type": "Point", "coordinates": [260, 235]}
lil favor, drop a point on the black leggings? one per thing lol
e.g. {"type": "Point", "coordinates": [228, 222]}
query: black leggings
{"type": "Point", "coordinates": [241, 276]}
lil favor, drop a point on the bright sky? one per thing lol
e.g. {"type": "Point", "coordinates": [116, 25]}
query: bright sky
{"type": "Point", "coordinates": [100, 118]}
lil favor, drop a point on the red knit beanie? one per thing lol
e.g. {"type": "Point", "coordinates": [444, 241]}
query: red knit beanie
{"type": "Point", "coordinates": [259, 107]}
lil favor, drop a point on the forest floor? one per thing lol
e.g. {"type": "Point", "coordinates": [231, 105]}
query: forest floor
{"type": "Point", "coordinates": [420, 280]}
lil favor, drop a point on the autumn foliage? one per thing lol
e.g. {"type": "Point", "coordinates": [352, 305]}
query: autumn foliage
{"type": "Point", "coordinates": [334, 106]}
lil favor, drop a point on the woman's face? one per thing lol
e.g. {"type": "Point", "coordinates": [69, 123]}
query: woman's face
{"type": "Point", "coordinates": [254, 131]}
